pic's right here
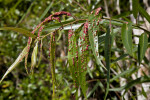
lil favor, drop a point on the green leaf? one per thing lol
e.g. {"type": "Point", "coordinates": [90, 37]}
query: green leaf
{"type": "Point", "coordinates": [123, 14]}
{"type": "Point", "coordinates": [135, 4]}
{"type": "Point", "coordinates": [113, 22]}
{"type": "Point", "coordinates": [120, 58]}
{"type": "Point", "coordinates": [101, 39]}
{"type": "Point", "coordinates": [78, 57]}
{"type": "Point", "coordinates": [51, 27]}
{"type": "Point", "coordinates": [46, 11]}
{"type": "Point", "coordinates": [27, 12]}
{"type": "Point", "coordinates": [93, 39]}
{"type": "Point", "coordinates": [126, 35]}
{"type": "Point", "coordinates": [12, 9]}
{"type": "Point", "coordinates": [107, 57]}
{"type": "Point", "coordinates": [90, 72]}
{"type": "Point", "coordinates": [144, 93]}
{"type": "Point", "coordinates": [17, 61]}
{"type": "Point", "coordinates": [71, 55]}
{"type": "Point", "coordinates": [142, 46]}
{"type": "Point", "coordinates": [144, 13]}
{"type": "Point", "coordinates": [20, 30]}
{"type": "Point", "coordinates": [124, 73]}
{"type": "Point", "coordinates": [132, 83]}
{"type": "Point", "coordinates": [93, 90]}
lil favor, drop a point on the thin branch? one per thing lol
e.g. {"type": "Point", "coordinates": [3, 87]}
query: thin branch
{"type": "Point", "coordinates": [106, 8]}
{"type": "Point", "coordinates": [93, 80]}
{"type": "Point", "coordinates": [118, 7]}
{"type": "Point", "coordinates": [79, 5]}
{"type": "Point", "coordinates": [148, 32]}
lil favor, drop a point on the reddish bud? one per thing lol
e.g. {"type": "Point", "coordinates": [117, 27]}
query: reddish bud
{"type": "Point", "coordinates": [98, 10]}
{"type": "Point", "coordinates": [62, 13]}
{"type": "Point", "coordinates": [87, 48]}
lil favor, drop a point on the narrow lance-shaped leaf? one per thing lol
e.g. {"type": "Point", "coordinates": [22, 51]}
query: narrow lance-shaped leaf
{"type": "Point", "coordinates": [72, 59]}
{"type": "Point", "coordinates": [93, 90]}
{"type": "Point", "coordinates": [120, 58]}
{"type": "Point", "coordinates": [144, 13]}
{"type": "Point", "coordinates": [34, 56]}
{"type": "Point", "coordinates": [107, 57]}
{"type": "Point", "coordinates": [26, 13]}
{"type": "Point", "coordinates": [20, 30]}
{"type": "Point", "coordinates": [132, 83]}
{"type": "Point", "coordinates": [77, 56]}
{"type": "Point", "coordinates": [83, 57]}
{"type": "Point", "coordinates": [52, 61]}
{"type": "Point", "coordinates": [135, 4]}
{"type": "Point", "coordinates": [142, 46]}
{"type": "Point", "coordinates": [46, 11]}
{"type": "Point", "coordinates": [130, 71]}
{"type": "Point", "coordinates": [72, 39]}
{"type": "Point", "coordinates": [17, 61]}
{"type": "Point", "coordinates": [144, 92]}
{"type": "Point", "coordinates": [70, 53]}
{"type": "Point", "coordinates": [93, 37]}
{"type": "Point", "coordinates": [126, 35]}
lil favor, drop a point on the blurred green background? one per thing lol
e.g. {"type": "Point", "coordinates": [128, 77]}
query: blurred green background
{"type": "Point", "coordinates": [29, 13]}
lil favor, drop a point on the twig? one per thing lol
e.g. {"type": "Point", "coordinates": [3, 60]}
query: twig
{"type": "Point", "coordinates": [117, 6]}
{"type": "Point", "coordinates": [106, 8]}
{"type": "Point", "coordinates": [148, 32]}
{"type": "Point", "coordinates": [79, 5]}
{"type": "Point", "coordinates": [95, 80]}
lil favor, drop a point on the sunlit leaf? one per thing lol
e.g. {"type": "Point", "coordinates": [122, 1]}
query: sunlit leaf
{"type": "Point", "coordinates": [17, 61]}
{"type": "Point", "coordinates": [67, 27]}
{"type": "Point", "coordinates": [34, 55]}
{"type": "Point", "coordinates": [77, 57]}
{"type": "Point", "coordinates": [93, 38]}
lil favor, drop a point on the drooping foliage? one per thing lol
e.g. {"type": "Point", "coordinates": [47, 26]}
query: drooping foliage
{"type": "Point", "coordinates": [85, 41]}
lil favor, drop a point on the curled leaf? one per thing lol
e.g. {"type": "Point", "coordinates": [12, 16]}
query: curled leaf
{"type": "Point", "coordinates": [17, 61]}
{"type": "Point", "coordinates": [34, 55]}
